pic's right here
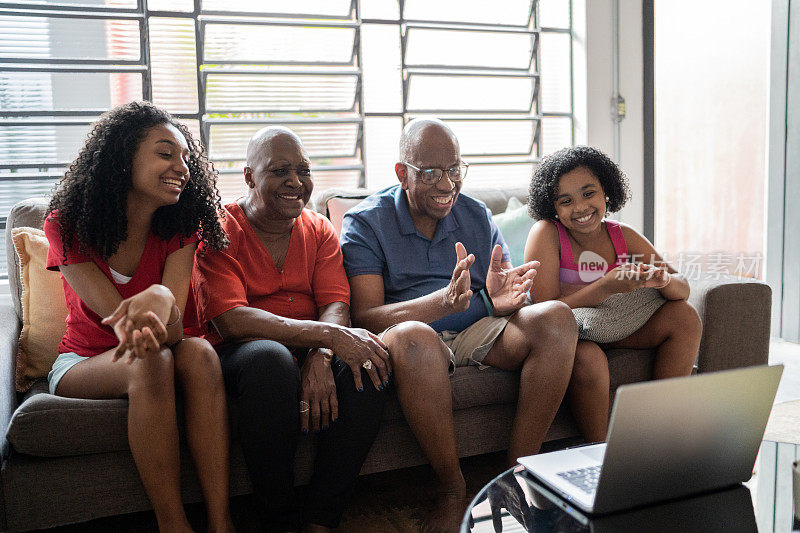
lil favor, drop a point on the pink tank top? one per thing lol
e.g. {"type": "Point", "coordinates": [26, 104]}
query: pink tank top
{"type": "Point", "coordinates": [570, 277]}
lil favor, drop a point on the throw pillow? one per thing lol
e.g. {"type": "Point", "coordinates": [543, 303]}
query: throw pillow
{"type": "Point", "coordinates": [515, 224]}
{"type": "Point", "coordinates": [618, 316]}
{"type": "Point", "coordinates": [44, 308]}
{"type": "Point", "coordinates": [338, 206]}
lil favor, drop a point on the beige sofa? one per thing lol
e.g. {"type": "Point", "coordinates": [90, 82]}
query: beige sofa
{"type": "Point", "coordinates": [67, 460]}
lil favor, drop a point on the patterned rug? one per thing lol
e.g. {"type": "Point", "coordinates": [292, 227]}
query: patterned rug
{"type": "Point", "coordinates": [398, 501]}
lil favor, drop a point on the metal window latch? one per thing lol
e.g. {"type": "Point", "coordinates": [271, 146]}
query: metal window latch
{"type": "Point", "coordinates": [617, 108]}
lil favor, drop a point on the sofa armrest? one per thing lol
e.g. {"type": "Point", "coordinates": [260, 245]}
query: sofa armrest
{"type": "Point", "coordinates": [9, 336]}
{"type": "Point", "coordinates": [736, 321]}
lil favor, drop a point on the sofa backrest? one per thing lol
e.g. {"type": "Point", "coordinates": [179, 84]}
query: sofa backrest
{"type": "Point", "coordinates": [334, 203]}
{"type": "Point", "coordinates": [28, 213]}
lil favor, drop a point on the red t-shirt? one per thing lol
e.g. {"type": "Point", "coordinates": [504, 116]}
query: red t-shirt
{"type": "Point", "coordinates": [244, 274]}
{"type": "Point", "coordinates": [85, 335]}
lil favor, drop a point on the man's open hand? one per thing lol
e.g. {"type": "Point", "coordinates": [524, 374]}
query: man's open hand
{"type": "Point", "coordinates": [457, 294]}
{"type": "Point", "coordinates": [508, 288]}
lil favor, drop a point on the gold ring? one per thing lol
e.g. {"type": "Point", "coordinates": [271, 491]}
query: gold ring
{"type": "Point", "coordinates": [367, 364]}
{"type": "Point", "coordinates": [304, 407]}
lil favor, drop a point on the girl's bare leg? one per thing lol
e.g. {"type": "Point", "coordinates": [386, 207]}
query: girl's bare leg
{"type": "Point", "coordinates": [152, 426]}
{"type": "Point", "coordinates": [199, 374]}
{"type": "Point", "coordinates": [588, 391]}
{"type": "Point", "coordinates": [674, 331]}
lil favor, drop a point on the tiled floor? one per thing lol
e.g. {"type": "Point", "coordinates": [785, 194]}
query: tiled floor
{"type": "Point", "coordinates": [787, 353]}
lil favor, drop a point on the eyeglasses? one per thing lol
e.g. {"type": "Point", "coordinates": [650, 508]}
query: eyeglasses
{"type": "Point", "coordinates": [431, 176]}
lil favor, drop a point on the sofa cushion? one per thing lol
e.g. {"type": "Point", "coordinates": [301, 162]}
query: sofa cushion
{"type": "Point", "coordinates": [515, 224]}
{"type": "Point", "coordinates": [496, 198]}
{"type": "Point", "coordinates": [53, 426]}
{"type": "Point", "coordinates": [44, 308]}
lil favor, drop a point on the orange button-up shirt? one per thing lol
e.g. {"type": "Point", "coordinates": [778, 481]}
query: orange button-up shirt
{"type": "Point", "coordinates": [244, 275]}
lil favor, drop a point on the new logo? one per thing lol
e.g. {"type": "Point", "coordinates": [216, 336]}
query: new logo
{"type": "Point", "coordinates": [591, 266]}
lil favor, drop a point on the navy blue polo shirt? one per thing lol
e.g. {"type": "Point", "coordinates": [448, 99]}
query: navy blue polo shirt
{"type": "Point", "coordinates": [379, 237]}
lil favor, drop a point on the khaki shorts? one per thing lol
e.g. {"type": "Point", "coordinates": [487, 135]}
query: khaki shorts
{"type": "Point", "coordinates": [470, 346]}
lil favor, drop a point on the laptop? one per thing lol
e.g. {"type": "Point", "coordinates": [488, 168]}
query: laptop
{"type": "Point", "coordinates": [667, 439]}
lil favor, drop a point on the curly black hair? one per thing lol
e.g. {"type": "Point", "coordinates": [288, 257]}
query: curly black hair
{"type": "Point", "coordinates": [91, 197]}
{"type": "Point", "coordinates": [544, 183]}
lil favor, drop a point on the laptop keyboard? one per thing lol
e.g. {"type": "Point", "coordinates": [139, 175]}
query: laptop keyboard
{"type": "Point", "coordinates": [583, 478]}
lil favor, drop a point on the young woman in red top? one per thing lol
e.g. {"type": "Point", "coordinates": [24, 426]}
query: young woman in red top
{"type": "Point", "coordinates": [123, 226]}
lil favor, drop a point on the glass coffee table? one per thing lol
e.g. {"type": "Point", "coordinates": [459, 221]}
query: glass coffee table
{"type": "Point", "coordinates": [511, 502]}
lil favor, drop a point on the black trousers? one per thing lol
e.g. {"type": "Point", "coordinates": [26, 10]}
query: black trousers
{"type": "Point", "coordinates": [262, 381]}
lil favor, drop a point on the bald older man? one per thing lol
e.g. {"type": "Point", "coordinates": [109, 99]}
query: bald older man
{"type": "Point", "coordinates": [422, 251]}
{"type": "Point", "coordinates": [276, 307]}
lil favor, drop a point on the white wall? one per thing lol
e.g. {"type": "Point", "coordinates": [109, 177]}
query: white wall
{"type": "Point", "coordinates": [592, 22]}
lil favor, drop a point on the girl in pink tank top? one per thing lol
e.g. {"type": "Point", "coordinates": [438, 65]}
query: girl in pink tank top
{"type": "Point", "coordinates": [586, 258]}
{"type": "Point", "coordinates": [571, 276]}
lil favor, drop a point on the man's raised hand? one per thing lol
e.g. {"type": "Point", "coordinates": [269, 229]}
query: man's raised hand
{"type": "Point", "coordinates": [457, 294]}
{"type": "Point", "coordinates": [508, 288]}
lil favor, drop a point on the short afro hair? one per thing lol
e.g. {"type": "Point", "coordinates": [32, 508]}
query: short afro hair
{"type": "Point", "coordinates": [544, 183]}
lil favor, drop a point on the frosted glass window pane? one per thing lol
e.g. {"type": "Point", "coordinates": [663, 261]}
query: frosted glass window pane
{"type": "Point", "coordinates": [380, 9]}
{"type": "Point", "coordinates": [493, 137]}
{"type": "Point", "coordinates": [182, 6]}
{"type": "Point", "coordinates": [468, 48]}
{"type": "Point", "coordinates": [231, 183]}
{"type": "Point", "coordinates": [327, 8]}
{"type": "Point", "coordinates": [381, 72]}
{"type": "Point", "coordinates": [508, 175]}
{"type": "Point", "coordinates": [173, 64]}
{"type": "Point", "coordinates": [516, 12]}
{"type": "Point", "coordinates": [554, 13]}
{"type": "Point", "coordinates": [335, 178]}
{"type": "Point", "coordinates": [555, 73]}
{"type": "Point", "coordinates": [231, 186]}
{"type": "Point", "coordinates": [47, 145]}
{"type": "Point", "coordinates": [61, 91]}
{"type": "Point", "coordinates": [68, 38]}
{"type": "Point", "coordinates": [462, 93]}
{"type": "Point", "coordinates": [280, 92]}
{"type": "Point", "coordinates": [194, 127]}
{"type": "Point", "coordinates": [278, 44]}
{"type": "Point", "coordinates": [381, 144]}
{"type": "Point", "coordinates": [556, 134]}
{"type": "Point", "coordinates": [13, 191]}
{"type": "Point", "coordinates": [104, 4]}
{"type": "Point", "coordinates": [229, 141]}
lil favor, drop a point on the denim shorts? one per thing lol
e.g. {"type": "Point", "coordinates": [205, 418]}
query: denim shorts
{"type": "Point", "coordinates": [63, 362]}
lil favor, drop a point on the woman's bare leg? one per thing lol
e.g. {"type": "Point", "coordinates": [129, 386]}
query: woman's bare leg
{"type": "Point", "coordinates": [588, 391]}
{"type": "Point", "coordinates": [152, 426]}
{"type": "Point", "coordinates": [199, 374]}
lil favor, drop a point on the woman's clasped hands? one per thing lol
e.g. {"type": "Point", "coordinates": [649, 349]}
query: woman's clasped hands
{"type": "Point", "coordinates": [139, 322]}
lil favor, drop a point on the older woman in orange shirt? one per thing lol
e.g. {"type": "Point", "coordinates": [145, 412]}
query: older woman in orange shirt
{"type": "Point", "coordinates": [275, 304]}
